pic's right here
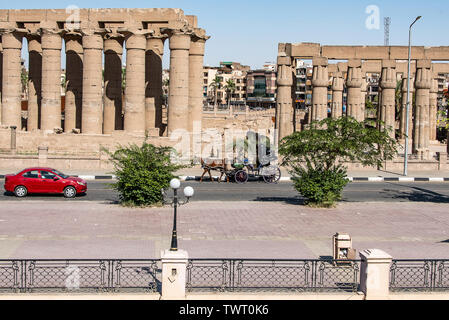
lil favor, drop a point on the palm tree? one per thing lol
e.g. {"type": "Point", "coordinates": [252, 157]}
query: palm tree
{"type": "Point", "coordinates": [230, 88]}
{"type": "Point", "coordinates": [216, 85]}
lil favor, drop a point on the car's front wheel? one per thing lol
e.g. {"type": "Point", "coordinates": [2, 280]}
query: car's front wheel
{"type": "Point", "coordinates": [69, 192]}
{"type": "Point", "coordinates": [20, 191]}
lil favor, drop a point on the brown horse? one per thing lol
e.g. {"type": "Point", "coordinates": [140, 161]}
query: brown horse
{"type": "Point", "coordinates": [214, 164]}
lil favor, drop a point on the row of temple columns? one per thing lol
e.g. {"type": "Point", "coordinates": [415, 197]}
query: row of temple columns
{"type": "Point", "coordinates": [422, 127]}
{"type": "Point", "coordinates": [93, 101]}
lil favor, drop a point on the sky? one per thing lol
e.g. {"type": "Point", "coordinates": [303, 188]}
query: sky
{"type": "Point", "coordinates": [248, 31]}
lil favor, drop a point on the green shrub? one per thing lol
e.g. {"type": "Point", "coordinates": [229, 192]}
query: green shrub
{"type": "Point", "coordinates": [320, 187]}
{"type": "Point", "coordinates": [142, 172]}
{"type": "Point", "coordinates": [317, 156]}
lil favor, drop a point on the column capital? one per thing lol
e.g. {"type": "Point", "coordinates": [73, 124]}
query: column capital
{"type": "Point", "coordinates": [319, 61]}
{"type": "Point", "coordinates": [388, 76]}
{"type": "Point", "coordinates": [51, 37]}
{"type": "Point", "coordinates": [113, 43]}
{"type": "Point", "coordinates": [320, 75]}
{"type": "Point", "coordinates": [404, 84]}
{"type": "Point", "coordinates": [284, 76]}
{"type": "Point", "coordinates": [73, 42]}
{"type": "Point", "coordinates": [423, 74]}
{"type": "Point", "coordinates": [354, 75]}
{"type": "Point", "coordinates": [12, 37]}
{"type": "Point", "coordinates": [92, 39]}
{"type": "Point", "coordinates": [284, 61]}
{"type": "Point", "coordinates": [200, 35]}
{"type": "Point", "coordinates": [338, 82]}
{"type": "Point", "coordinates": [179, 38]}
{"type": "Point", "coordinates": [136, 41]}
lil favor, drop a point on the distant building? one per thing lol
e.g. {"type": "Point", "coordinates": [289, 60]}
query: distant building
{"type": "Point", "coordinates": [261, 88]}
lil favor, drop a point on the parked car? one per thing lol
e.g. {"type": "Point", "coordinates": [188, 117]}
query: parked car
{"type": "Point", "coordinates": [44, 180]}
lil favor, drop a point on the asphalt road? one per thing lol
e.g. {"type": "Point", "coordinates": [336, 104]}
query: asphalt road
{"type": "Point", "coordinates": [437, 192]}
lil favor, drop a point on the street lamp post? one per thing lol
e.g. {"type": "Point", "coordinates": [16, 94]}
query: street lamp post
{"type": "Point", "coordinates": [407, 112]}
{"type": "Point", "coordinates": [188, 193]}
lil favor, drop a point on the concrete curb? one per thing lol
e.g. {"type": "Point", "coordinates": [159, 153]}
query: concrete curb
{"type": "Point", "coordinates": [352, 179]}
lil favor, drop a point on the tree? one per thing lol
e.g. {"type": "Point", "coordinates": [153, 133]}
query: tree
{"type": "Point", "coordinates": [216, 84]}
{"type": "Point", "coordinates": [142, 172]}
{"type": "Point", "coordinates": [23, 80]}
{"type": "Point", "coordinates": [230, 88]}
{"type": "Point", "coordinates": [317, 155]}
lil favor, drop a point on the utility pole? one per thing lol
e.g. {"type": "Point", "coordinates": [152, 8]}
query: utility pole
{"type": "Point", "coordinates": [387, 22]}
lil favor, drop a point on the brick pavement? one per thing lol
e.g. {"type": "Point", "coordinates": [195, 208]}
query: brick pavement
{"type": "Point", "coordinates": [50, 229]}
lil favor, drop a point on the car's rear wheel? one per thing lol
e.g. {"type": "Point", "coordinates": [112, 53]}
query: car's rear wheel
{"type": "Point", "coordinates": [20, 191]}
{"type": "Point", "coordinates": [69, 192]}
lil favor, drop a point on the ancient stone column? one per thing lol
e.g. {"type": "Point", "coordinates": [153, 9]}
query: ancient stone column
{"type": "Point", "coordinates": [404, 108]}
{"type": "Point", "coordinates": [433, 108]}
{"type": "Point", "coordinates": [320, 81]}
{"type": "Point", "coordinates": [153, 81]}
{"type": "Point", "coordinates": [92, 105]}
{"type": "Point", "coordinates": [178, 99]}
{"type": "Point", "coordinates": [196, 55]}
{"type": "Point", "coordinates": [74, 81]}
{"type": "Point", "coordinates": [11, 82]}
{"type": "Point", "coordinates": [337, 95]}
{"type": "Point", "coordinates": [363, 93]}
{"type": "Point", "coordinates": [387, 106]}
{"type": "Point", "coordinates": [34, 82]}
{"type": "Point", "coordinates": [136, 44]}
{"type": "Point", "coordinates": [113, 51]}
{"type": "Point", "coordinates": [284, 101]}
{"type": "Point", "coordinates": [51, 79]}
{"type": "Point", "coordinates": [421, 120]}
{"type": "Point", "coordinates": [353, 84]}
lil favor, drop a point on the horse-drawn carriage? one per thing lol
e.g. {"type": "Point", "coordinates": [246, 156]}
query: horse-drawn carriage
{"type": "Point", "coordinates": [240, 172]}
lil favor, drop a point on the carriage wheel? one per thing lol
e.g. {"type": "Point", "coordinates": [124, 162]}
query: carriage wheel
{"type": "Point", "coordinates": [274, 177]}
{"type": "Point", "coordinates": [241, 176]}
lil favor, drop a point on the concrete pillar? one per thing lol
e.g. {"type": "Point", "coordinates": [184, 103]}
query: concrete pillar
{"type": "Point", "coordinates": [421, 120]}
{"type": "Point", "coordinates": [337, 95]}
{"type": "Point", "coordinates": [284, 101]}
{"type": "Point", "coordinates": [354, 84]}
{"type": "Point", "coordinates": [113, 51]}
{"type": "Point", "coordinates": [320, 81]}
{"type": "Point", "coordinates": [375, 273]}
{"type": "Point", "coordinates": [13, 138]}
{"type": "Point", "coordinates": [11, 82]}
{"type": "Point", "coordinates": [404, 108]}
{"type": "Point", "coordinates": [196, 57]}
{"type": "Point", "coordinates": [74, 81]}
{"type": "Point", "coordinates": [136, 44]}
{"type": "Point", "coordinates": [388, 101]}
{"type": "Point", "coordinates": [178, 99]}
{"type": "Point", "coordinates": [153, 82]}
{"type": "Point", "coordinates": [433, 108]}
{"type": "Point", "coordinates": [92, 101]}
{"type": "Point", "coordinates": [34, 82]}
{"type": "Point", "coordinates": [174, 267]}
{"type": "Point", "coordinates": [51, 79]}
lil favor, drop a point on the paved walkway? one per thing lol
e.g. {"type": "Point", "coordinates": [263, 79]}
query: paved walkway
{"type": "Point", "coordinates": [50, 229]}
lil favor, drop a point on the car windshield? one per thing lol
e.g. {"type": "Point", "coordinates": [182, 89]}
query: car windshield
{"type": "Point", "coordinates": [59, 173]}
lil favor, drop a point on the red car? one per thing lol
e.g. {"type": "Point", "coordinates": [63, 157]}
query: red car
{"type": "Point", "coordinates": [44, 180]}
